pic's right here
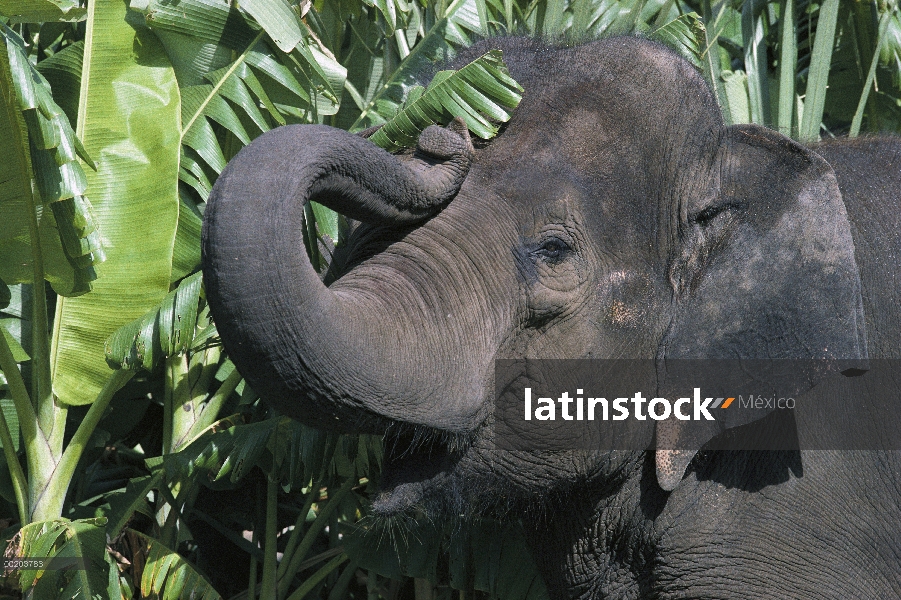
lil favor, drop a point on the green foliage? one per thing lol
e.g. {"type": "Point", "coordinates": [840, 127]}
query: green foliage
{"type": "Point", "coordinates": [168, 576]}
{"type": "Point", "coordinates": [163, 93]}
{"type": "Point", "coordinates": [37, 11]}
{"type": "Point", "coordinates": [685, 34]}
{"type": "Point", "coordinates": [128, 119]}
{"type": "Point", "coordinates": [482, 555]}
{"type": "Point", "coordinates": [59, 540]}
{"type": "Point", "coordinates": [123, 504]}
{"type": "Point", "coordinates": [818, 77]}
{"type": "Point", "coordinates": [480, 92]}
{"type": "Point", "coordinates": [807, 69]}
{"type": "Point", "coordinates": [45, 151]}
{"type": "Point", "coordinates": [286, 450]}
{"type": "Point", "coordinates": [162, 332]}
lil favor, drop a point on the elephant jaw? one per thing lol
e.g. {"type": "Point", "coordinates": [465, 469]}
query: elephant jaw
{"type": "Point", "coordinates": [416, 461]}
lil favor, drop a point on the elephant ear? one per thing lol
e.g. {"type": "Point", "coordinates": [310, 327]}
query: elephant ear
{"type": "Point", "coordinates": [764, 270]}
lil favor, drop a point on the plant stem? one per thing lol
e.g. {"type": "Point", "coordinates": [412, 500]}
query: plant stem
{"type": "Point", "coordinates": [41, 390]}
{"type": "Point", "coordinates": [752, 27]}
{"type": "Point", "coordinates": [635, 15]}
{"type": "Point", "coordinates": [871, 75]}
{"type": "Point", "coordinates": [307, 586]}
{"type": "Point", "coordinates": [403, 49]}
{"type": "Point", "coordinates": [711, 58]}
{"type": "Point", "coordinates": [46, 418]}
{"type": "Point", "coordinates": [211, 410]}
{"type": "Point", "coordinates": [315, 528]}
{"type": "Point", "coordinates": [788, 59]}
{"type": "Point", "coordinates": [37, 449]}
{"type": "Point", "coordinates": [19, 392]}
{"type": "Point", "coordinates": [188, 390]}
{"type": "Point", "coordinates": [340, 589]}
{"type": "Point", "coordinates": [663, 15]}
{"type": "Point", "coordinates": [20, 484]}
{"type": "Point", "coordinates": [297, 532]}
{"type": "Point", "coordinates": [312, 239]}
{"type": "Point", "coordinates": [168, 513]}
{"type": "Point", "coordinates": [423, 589]}
{"type": "Point", "coordinates": [49, 503]}
{"type": "Point", "coordinates": [267, 590]}
{"type": "Point", "coordinates": [258, 518]}
{"type": "Point", "coordinates": [372, 584]}
{"type": "Point", "coordinates": [175, 370]}
{"type": "Point", "coordinates": [818, 73]}
{"type": "Point", "coordinates": [185, 495]}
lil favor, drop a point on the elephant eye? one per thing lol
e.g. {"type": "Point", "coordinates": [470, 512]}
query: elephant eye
{"type": "Point", "coordinates": [553, 250]}
{"type": "Point", "coordinates": [707, 215]}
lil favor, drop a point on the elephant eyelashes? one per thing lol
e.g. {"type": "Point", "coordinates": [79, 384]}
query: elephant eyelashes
{"type": "Point", "coordinates": [707, 215]}
{"type": "Point", "coordinates": [553, 250]}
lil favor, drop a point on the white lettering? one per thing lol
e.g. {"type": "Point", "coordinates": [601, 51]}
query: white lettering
{"type": "Point", "coordinates": [619, 405]}
{"type": "Point", "coordinates": [701, 408]}
{"type": "Point", "coordinates": [666, 409]}
{"type": "Point", "coordinates": [545, 410]}
{"type": "Point", "coordinates": [677, 410]}
{"type": "Point", "coordinates": [565, 401]}
{"type": "Point", "coordinates": [658, 409]}
{"type": "Point", "coordinates": [591, 404]}
{"type": "Point", "coordinates": [638, 400]}
{"type": "Point", "coordinates": [528, 404]}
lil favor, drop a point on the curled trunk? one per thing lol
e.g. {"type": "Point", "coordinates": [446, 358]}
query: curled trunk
{"type": "Point", "coordinates": [334, 358]}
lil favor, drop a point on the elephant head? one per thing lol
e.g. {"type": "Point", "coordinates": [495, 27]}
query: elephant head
{"type": "Point", "coordinates": [615, 216]}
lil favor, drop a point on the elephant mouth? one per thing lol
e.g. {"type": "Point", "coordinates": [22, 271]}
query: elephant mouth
{"type": "Point", "coordinates": [416, 461]}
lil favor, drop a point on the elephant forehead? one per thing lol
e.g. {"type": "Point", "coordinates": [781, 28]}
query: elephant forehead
{"type": "Point", "coordinates": [560, 162]}
{"type": "Point", "coordinates": [618, 109]}
{"type": "Point", "coordinates": [578, 155]}
{"type": "Point", "coordinates": [539, 194]}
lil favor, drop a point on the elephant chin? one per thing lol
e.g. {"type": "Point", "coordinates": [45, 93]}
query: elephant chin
{"type": "Point", "coordinates": [402, 497]}
{"type": "Point", "coordinates": [415, 463]}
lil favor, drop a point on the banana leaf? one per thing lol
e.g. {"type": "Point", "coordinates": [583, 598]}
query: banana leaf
{"type": "Point", "coordinates": [129, 121]}
{"type": "Point", "coordinates": [43, 150]}
{"type": "Point", "coordinates": [482, 93]}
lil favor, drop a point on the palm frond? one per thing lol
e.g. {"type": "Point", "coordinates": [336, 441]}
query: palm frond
{"type": "Point", "coordinates": [381, 99]}
{"type": "Point", "coordinates": [45, 150]}
{"type": "Point", "coordinates": [68, 544]}
{"type": "Point", "coordinates": [163, 332]}
{"type": "Point", "coordinates": [482, 93]}
{"type": "Point", "coordinates": [167, 575]}
{"type": "Point", "coordinates": [685, 34]}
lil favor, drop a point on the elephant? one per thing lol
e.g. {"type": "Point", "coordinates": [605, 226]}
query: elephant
{"type": "Point", "coordinates": [604, 221]}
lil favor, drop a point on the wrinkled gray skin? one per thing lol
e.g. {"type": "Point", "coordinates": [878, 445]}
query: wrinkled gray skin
{"type": "Point", "coordinates": [605, 221]}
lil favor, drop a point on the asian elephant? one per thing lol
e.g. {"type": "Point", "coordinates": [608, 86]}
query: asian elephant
{"type": "Point", "coordinates": [606, 220]}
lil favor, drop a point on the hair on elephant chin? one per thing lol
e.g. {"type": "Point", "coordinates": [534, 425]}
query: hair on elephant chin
{"type": "Point", "coordinates": [404, 439]}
